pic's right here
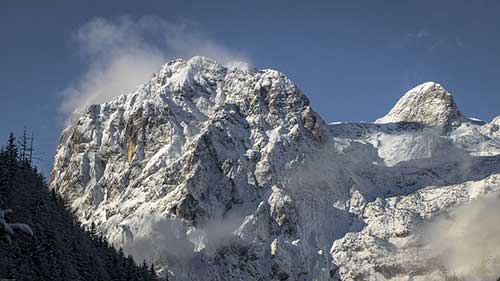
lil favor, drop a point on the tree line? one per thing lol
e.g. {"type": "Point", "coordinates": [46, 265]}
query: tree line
{"type": "Point", "coordinates": [60, 249]}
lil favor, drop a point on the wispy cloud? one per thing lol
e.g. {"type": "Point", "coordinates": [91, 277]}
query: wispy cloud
{"type": "Point", "coordinates": [421, 34]}
{"type": "Point", "coordinates": [437, 44]}
{"type": "Point", "coordinates": [459, 42]}
{"type": "Point", "coordinates": [121, 54]}
{"type": "Point", "coordinates": [426, 41]}
{"type": "Point", "coordinates": [467, 242]}
{"type": "Point", "coordinates": [411, 39]}
{"type": "Point", "coordinates": [419, 48]}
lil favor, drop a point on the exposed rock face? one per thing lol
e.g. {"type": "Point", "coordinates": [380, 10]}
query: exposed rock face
{"type": "Point", "coordinates": [429, 104]}
{"type": "Point", "coordinates": [219, 173]}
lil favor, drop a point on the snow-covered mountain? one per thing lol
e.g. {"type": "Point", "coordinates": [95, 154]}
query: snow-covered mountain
{"type": "Point", "coordinates": [219, 173]}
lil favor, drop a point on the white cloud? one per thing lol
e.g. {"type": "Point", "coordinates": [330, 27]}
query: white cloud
{"type": "Point", "coordinates": [468, 242]}
{"type": "Point", "coordinates": [124, 53]}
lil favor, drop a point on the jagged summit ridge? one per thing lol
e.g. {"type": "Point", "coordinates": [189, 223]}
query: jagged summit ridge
{"type": "Point", "coordinates": [428, 103]}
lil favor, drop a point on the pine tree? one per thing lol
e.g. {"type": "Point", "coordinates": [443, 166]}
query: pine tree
{"type": "Point", "coordinates": [4, 178]}
{"type": "Point", "coordinates": [11, 148]}
{"type": "Point", "coordinates": [92, 231]}
{"type": "Point", "coordinates": [30, 151]}
{"type": "Point", "coordinates": [145, 271]}
{"type": "Point", "coordinates": [152, 272]}
{"type": "Point", "coordinates": [23, 144]}
{"type": "Point", "coordinates": [11, 158]}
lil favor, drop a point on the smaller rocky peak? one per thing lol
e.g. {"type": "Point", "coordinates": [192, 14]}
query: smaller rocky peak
{"type": "Point", "coordinates": [428, 103]}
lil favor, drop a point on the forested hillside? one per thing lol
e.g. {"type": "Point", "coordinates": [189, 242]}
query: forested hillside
{"type": "Point", "coordinates": [59, 249]}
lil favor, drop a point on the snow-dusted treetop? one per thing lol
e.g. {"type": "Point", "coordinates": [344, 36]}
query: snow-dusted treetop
{"type": "Point", "coordinates": [428, 103]}
{"type": "Point", "coordinates": [8, 230]}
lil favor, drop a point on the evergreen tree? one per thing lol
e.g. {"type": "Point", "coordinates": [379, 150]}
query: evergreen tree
{"type": "Point", "coordinates": [60, 249]}
{"type": "Point", "coordinates": [11, 159]}
{"type": "Point", "coordinates": [23, 144]}
{"type": "Point", "coordinates": [11, 148]}
{"type": "Point", "coordinates": [152, 272]}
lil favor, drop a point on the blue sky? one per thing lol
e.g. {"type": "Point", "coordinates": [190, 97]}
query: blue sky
{"type": "Point", "coordinates": [353, 59]}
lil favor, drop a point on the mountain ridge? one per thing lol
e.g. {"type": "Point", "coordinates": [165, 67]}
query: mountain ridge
{"type": "Point", "coordinates": [236, 177]}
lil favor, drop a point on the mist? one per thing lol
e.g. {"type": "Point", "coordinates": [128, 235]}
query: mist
{"type": "Point", "coordinates": [467, 242]}
{"type": "Point", "coordinates": [120, 55]}
{"type": "Point", "coordinates": [168, 241]}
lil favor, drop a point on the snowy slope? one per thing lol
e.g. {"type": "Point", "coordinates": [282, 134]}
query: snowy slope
{"type": "Point", "coordinates": [219, 173]}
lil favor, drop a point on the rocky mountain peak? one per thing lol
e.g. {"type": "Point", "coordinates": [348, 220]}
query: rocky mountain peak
{"type": "Point", "coordinates": [428, 103]}
{"type": "Point", "coordinates": [218, 172]}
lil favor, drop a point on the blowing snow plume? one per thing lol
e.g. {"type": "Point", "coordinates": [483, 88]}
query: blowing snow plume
{"type": "Point", "coordinates": [120, 55]}
{"type": "Point", "coordinates": [468, 242]}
